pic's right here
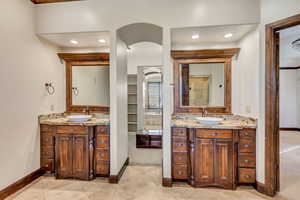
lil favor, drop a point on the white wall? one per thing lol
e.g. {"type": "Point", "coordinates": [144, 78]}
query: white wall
{"type": "Point", "coordinates": [245, 73]}
{"type": "Point", "coordinates": [282, 9]}
{"type": "Point", "coordinates": [94, 15]}
{"type": "Point", "coordinates": [288, 99]}
{"type": "Point", "coordinates": [144, 54]}
{"type": "Point", "coordinates": [118, 104]}
{"type": "Point", "coordinates": [26, 64]}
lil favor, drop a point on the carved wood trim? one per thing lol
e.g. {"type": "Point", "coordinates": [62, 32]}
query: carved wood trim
{"type": "Point", "coordinates": [190, 109]}
{"type": "Point", "coordinates": [104, 57]}
{"type": "Point", "coordinates": [205, 53]}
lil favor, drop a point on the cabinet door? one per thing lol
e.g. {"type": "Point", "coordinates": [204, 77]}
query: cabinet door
{"type": "Point", "coordinates": [204, 162]}
{"type": "Point", "coordinates": [224, 163]}
{"type": "Point", "coordinates": [80, 157]}
{"type": "Point", "coordinates": [63, 150]}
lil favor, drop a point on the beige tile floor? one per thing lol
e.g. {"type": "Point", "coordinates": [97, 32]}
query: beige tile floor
{"type": "Point", "coordinates": [144, 183]}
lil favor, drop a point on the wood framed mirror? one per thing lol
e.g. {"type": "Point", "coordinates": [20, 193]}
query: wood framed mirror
{"type": "Point", "coordinates": [202, 79]}
{"type": "Point", "coordinates": [87, 82]}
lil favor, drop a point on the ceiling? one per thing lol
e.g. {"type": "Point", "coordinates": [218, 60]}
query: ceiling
{"type": "Point", "coordinates": [210, 34]}
{"type": "Point", "coordinates": [51, 1]}
{"type": "Point", "coordinates": [85, 39]}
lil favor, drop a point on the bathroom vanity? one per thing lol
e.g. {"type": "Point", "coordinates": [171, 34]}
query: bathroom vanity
{"type": "Point", "coordinates": [80, 149]}
{"type": "Point", "coordinates": [222, 155]}
{"type": "Point", "coordinates": [75, 150]}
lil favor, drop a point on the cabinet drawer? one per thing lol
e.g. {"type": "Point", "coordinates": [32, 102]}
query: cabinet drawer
{"type": "Point", "coordinates": [214, 133]}
{"type": "Point", "coordinates": [247, 160]}
{"type": "Point", "coordinates": [48, 151]}
{"type": "Point", "coordinates": [102, 167]}
{"type": "Point", "coordinates": [47, 139]}
{"type": "Point", "coordinates": [47, 128]}
{"type": "Point", "coordinates": [181, 132]}
{"type": "Point", "coordinates": [103, 130]}
{"type": "Point", "coordinates": [180, 172]}
{"type": "Point", "coordinates": [102, 155]}
{"type": "Point", "coordinates": [102, 141]}
{"type": "Point", "coordinates": [249, 134]}
{"type": "Point", "coordinates": [179, 144]}
{"type": "Point", "coordinates": [246, 146]}
{"type": "Point", "coordinates": [47, 164]}
{"type": "Point", "coordinates": [72, 129]}
{"type": "Point", "coordinates": [247, 175]}
{"type": "Point", "coordinates": [180, 158]}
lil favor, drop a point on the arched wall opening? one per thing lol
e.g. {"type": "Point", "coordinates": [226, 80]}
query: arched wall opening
{"type": "Point", "coordinates": [136, 46]}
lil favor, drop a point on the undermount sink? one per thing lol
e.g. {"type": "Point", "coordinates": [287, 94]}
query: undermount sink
{"type": "Point", "coordinates": [209, 120]}
{"type": "Point", "coordinates": [79, 118]}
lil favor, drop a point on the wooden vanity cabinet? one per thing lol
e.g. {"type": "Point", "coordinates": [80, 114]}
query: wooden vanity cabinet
{"type": "Point", "coordinates": [213, 157]}
{"type": "Point", "coordinates": [247, 156]}
{"type": "Point", "coordinates": [47, 148]}
{"type": "Point", "coordinates": [72, 151]}
{"type": "Point", "coordinates": [102, 154]}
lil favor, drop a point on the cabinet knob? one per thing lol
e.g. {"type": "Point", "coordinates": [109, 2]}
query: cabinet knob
{"type": "Point", "coordinates": [46, 165]}
{"type": "Point", "coordinates": [247, 176]}
{"type": "Point", "coordinates": [215, 134]}
{"type": "Point", "coordinates": [179, 158]}
{"type": "Point", "coordinates": [179, 172]}
{"type": "Point", "coordinates": [246, 145]}
{"type": "Point", "coordinates": [246, 133]}
{"type": "Point", "coordinates": [246, 161]}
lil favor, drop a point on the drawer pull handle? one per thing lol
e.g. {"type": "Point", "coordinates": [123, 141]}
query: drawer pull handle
{"type": "Point", "coordinates": [247, 176]}
{"type": "Point", "coordinates": [179, 172]}
{"type": "Point", "coordinates": [246, 133]}
{"type": "Point", "coordinates": [246, 161]}
{"type": "Point", "coordinates": [46, 165]}
{"type": "Point", "coordinates": [179, 144]}
{"type": "Point", "coordinates": [246, 145]}
{"type": "Point", "coordinates": [215, 134]}
{"type": "Point", "coordinates": [179, 158]}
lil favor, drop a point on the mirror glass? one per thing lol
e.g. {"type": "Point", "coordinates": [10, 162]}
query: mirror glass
{"type": "Point", "coordinates": [202, 85]}
{"type": "Point", "coordinates": [90, 85]}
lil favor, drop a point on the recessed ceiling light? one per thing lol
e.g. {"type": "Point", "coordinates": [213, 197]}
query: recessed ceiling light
{"type": "Point", "coordinates": [194, 37]}
{"type": "Point", "coordinates": [74, 42]}
{"type": "Point", "coordinates": [228, 35]}
{"type": "Point", "coordinates": [102, 41]}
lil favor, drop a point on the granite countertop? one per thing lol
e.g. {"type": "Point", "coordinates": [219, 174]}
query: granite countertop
{"type": "Point", "coordinates": [229, 122]}
{"type": "Point", "coordinates": [60, 119]}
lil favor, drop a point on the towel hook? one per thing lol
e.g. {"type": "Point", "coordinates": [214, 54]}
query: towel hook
{"type": "Point", "coordinates": [50, 89]}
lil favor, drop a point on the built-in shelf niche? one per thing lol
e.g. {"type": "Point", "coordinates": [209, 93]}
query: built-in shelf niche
{"type": "Point", "coordinates": [132, 103]}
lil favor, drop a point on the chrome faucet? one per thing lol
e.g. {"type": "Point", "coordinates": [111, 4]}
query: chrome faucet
{"type": "Point", "coordinates": [204, 112]}
{"type": "Point", "coordinates": [87, 110]}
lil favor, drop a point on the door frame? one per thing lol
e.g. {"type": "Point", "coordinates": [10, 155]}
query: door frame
{"type": "Point", "coordinates": [272, 179]}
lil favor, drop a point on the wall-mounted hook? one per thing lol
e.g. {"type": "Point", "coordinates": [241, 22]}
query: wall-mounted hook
{"type": "Point", "coordinates": [49, 87]}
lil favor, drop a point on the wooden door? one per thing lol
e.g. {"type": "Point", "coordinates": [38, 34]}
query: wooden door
{"type": "Point", "coordinates": [204, 162]}
{"type": "Point", "coordinates": [224, 163]}
{"type": "Point", "coordinates": [80, 157]}
{"type": "Point", "coordinates": [199, 91]}
{"type": "Point", "coordinates": [64, 156]}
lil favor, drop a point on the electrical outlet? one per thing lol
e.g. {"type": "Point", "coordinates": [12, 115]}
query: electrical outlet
{"type": "Point", "coordinates": [52, 107]}
{"type": "Point", "coordinates": [248, 109]}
